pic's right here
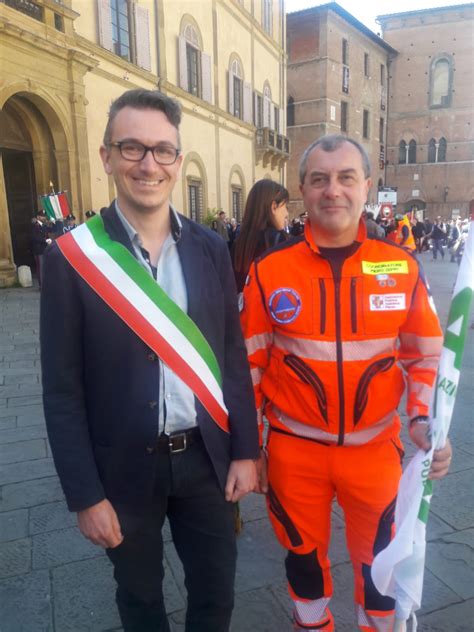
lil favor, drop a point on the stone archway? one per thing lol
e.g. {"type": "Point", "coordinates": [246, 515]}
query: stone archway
{"type": "Point", "coordinates": [34, 152]}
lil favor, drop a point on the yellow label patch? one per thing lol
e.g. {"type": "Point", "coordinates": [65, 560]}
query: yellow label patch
{"type": "Point", "coordinates": [385, 267]}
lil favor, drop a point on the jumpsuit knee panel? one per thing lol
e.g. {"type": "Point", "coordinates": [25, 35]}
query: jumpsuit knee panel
{"type": "Point", "coordinates": [301, 493]}
{"type": "Point", "coordinates": [299, 506]}
{"type": "Point", "coordinates": [367, 480]}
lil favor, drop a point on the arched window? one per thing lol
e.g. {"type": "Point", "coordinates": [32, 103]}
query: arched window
{"type": "Point", "coordinates": [267, 107]}
{"type": "Point", "coordinates": [440, 89]}
{"type": "Point", "coordinates": [237, 192]}
{"type": "Point", "coordinates": [402, 153]}
{"type": "Point", "coordinates": [236, 89]}
{"type": "Point", "coordinates": [432, 150]}
{"type": "Point", "coordinates": [290, 112]}
{"type": "Point", "coordinates": [193, 59]}
{"type": "Point", "coordinates": [239, 90]}
{"type": "Point", "coordinates": [412, 152]}
{"type": "Point", "coordinates": [194, 64]}
{"type": "Point", "coordinates": [442, 150]}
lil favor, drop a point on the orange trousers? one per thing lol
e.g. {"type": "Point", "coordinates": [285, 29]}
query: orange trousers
{"type": "Point", "coordinates": [304, 479]}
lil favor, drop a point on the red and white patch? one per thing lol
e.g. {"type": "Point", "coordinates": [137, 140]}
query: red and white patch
{"type": "Point", "coordinates": [387, 302]}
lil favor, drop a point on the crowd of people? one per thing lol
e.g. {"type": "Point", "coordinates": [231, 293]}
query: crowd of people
{"type": "Point", "coordinates": [440, 237]}
{"type": "Point", "coordinates": [43, 231]}
{"type": "Point", "coordinates": [167, 396]}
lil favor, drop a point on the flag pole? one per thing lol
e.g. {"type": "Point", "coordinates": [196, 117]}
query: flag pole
{"type": "Point", "coordinates": [397, 570]}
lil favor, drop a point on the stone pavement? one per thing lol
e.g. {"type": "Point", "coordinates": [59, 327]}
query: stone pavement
{"type": "Point", "coordinates": [51, 579]}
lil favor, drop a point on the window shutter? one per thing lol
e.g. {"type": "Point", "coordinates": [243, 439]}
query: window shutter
{"type": "Point", "coordinates": [142, 34]}
{"type": "Point", "coordinates": [230, 82]}
{"type": "Point", "coordinates": [282, 120]}
{"type": "Point", "coordinates": [247, 103]}
{"type": "Point", "coordinates": [272, 116]}
{"type": "Point", "coordinates": [206, 70]}
{"type": "Point", "coordinates": [267, 106]}
{"type": "Point", "coordinates": [255, 109]}
{"type": "Point", "coordinates": [183, 65]}
{"type": "Point", "coordinates": [105, 24]}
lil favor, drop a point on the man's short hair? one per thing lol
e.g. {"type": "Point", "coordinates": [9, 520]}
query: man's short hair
{"type": "Point", "coordinates": [141, 99]}
{"type": "Point", "coordinates": [331, 143]}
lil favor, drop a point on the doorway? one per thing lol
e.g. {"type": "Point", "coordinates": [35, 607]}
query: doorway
{"type": "Point", "coordinates": [21, 201]}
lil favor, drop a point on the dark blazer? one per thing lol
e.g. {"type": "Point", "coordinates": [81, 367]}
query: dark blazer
{"type": "Point", "coordinates": [101, 382]}
{"type": "Point", "coordinates": [39, 234]}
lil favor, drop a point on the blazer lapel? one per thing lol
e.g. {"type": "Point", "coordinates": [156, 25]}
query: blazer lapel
{"type": "Point", "coordinates": [115, 228]}
{"type": "Point", "coordinates": [190, 254]}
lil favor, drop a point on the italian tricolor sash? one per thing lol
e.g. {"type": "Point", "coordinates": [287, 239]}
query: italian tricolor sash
{"type": "Point", "coordinates": [117, 277]}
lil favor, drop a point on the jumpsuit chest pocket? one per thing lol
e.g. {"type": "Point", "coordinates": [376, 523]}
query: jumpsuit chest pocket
{"type": "Point", "coordinates": [384, 304]}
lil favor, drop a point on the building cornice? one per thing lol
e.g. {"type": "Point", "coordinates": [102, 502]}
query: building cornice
{"type": "Point", "coordinates": [431, 11]}
{"type": "Point", "coordinates": [347, 17]}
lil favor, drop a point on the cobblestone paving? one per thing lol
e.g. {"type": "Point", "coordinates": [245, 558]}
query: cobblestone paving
{"type": "Point", "coordinates": [53, 580]}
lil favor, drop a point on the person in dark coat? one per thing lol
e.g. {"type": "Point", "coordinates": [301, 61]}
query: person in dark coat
{"type": "Point", "coordinates": [135, 439]}
{"type": "Point", "coordinates": [39, 241]}
{"type": "Point", "coordinates": [263, 226]}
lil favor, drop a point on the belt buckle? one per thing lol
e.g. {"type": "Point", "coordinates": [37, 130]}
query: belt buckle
{"type": "Point", "coordinates": [181, 435]}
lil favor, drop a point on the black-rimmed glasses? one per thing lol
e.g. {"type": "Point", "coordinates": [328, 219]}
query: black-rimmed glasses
{"type": "Point", "coordinates": [163, 153]}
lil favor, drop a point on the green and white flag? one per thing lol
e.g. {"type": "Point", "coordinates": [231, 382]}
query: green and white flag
{"type": "Point", "coordinates": [397, 571]}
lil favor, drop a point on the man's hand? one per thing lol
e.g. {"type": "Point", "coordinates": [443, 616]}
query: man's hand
{"type": "Point", "coordinates": [100, 525]}
{"type": "Point", "coordinates": [241, 479]}
{"type": "Point", "coordinates": [420, 435]}
{"type": "Point", "coordinates": [262, 474]}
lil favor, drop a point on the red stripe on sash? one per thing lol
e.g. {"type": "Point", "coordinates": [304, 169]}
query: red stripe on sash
{"type": "Point", "coordinates": [137, 323]}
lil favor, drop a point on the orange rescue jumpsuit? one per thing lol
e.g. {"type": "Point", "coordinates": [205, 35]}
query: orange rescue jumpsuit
{"type": "Point", "coordinates": [403, 234]}
{"type": "Point", "coordinates": [328, 347]}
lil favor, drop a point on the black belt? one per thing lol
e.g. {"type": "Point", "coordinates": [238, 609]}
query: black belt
{"type": "Point", "coordinates": [178, 441]}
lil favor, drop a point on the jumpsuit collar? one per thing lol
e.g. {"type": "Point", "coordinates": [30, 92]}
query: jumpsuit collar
{"type": "Point", "coordinates": [308, 235]}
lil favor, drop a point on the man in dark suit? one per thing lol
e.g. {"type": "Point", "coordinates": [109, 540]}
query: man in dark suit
{"type": "Point", "coordinates": [39, 241]}
{"type": "Point", "coordinates": [147, 391]}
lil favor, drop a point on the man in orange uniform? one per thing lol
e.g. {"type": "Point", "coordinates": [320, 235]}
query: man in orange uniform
{"type": "Point", "coordinates": [332, 321]}
{"type": "Point", "coordinates": [402, 234]}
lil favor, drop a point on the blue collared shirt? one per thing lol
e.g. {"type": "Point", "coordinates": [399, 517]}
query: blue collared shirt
{"type": "Point", "coordinates": [177, 409]}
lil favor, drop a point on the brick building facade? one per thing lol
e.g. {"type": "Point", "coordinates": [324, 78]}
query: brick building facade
{"type": "Point", "coordinates": [431, 107]}
{"type": "Point", "coordinates": [407, 98]}
{"type": "Point", "coordinates": [337, 82]}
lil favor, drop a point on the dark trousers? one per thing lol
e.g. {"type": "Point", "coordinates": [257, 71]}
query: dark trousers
{"type": "Point", "coordinates": [39, 268]}
{"type": "Point", "coordinates": [438, 247]}
{"type": "Point", "coordinates": [202, 527]}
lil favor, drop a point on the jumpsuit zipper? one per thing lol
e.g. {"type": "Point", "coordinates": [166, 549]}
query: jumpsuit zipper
{"type": "Point", "coordinates": [353, 305]}
{"type": "Point", "coordinates": [339, 359]}
{"type": "Point", "coordinates": [322, 306]}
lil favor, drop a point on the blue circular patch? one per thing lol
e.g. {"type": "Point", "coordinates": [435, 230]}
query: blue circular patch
{"type": "Point", "coordinates": [284, 305]}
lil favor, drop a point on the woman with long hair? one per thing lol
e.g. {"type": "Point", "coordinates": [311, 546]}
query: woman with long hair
{"type": "Point", "coordinates": [266, 211]}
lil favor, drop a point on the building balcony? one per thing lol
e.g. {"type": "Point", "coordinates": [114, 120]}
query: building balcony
{"type": "Point", "coordinates": [271, 147]}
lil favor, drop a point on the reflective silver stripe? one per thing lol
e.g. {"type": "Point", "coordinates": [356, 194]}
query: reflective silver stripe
{"type": "Point", "coordinates": [379, 623]}
{"type": "Point", "coordinates": [326, 351]}
{"type": "Point", "coordinates": [257, 342]}
{"type": "Point", "coordinates": [358, 437]}
{"type": "Point", "coordinates": [424, 345]}
{"type": "Point", "coordinates": [311, 612]}
{"type": "Point", "coordinates": [256, 374]}
{"type": "Point", "coordinates": [430, 363]}
{"type": "Point", "coordinates": [421, 391]}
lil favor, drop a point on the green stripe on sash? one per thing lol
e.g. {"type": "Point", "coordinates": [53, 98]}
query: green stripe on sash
{"type": "Point", "coordinates": [123, 257]}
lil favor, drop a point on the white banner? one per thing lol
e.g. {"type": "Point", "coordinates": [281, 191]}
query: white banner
{"type": "Point", "coordinates": [397, 571]}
